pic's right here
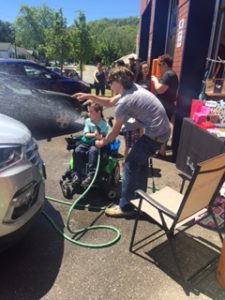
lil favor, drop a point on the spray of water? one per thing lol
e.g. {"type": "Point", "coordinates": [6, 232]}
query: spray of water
{"type": "Point", "coordinates": [45, 113]}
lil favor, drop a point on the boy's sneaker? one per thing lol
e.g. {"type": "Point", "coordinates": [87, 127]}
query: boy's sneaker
{"type": "Point", "coordinates": [86, 182]}
{"type": "Point", "coordinates": [117, 212]}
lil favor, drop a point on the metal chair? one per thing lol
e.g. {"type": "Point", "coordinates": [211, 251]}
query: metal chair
{"type": "Point", "coordinates": [170, 209]}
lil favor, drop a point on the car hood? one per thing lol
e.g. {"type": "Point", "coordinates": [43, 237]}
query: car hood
{"type": "Point", "coordinates": [50, 93]}
{"type": "Point", "coordinates": [13, 131]}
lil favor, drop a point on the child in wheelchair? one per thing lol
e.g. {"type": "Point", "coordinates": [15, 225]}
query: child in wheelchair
{"type": "Point", "coordinates": [82, 165]}
{"type": "Point", "coordinates": [86, 152]}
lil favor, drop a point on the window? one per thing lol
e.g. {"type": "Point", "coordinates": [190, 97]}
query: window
{"type": "Point", "coordinates": [13, 69]}
{"type": "Point", "coordinates": [172, 26]}
{"type": "Point", "coordinates": [33, 71]}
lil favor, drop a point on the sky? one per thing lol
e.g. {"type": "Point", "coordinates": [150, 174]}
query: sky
{"type": "Point", "coordinates": [93, 9]}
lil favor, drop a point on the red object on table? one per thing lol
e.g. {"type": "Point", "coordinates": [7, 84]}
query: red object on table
{"type": "Point", "coordinates": [206, 125]}
{"type": "Point", "coordinates": [196, 106]}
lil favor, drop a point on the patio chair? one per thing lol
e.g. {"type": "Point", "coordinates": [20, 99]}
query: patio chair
{"type": "Point", "coordinates": [170, 209]}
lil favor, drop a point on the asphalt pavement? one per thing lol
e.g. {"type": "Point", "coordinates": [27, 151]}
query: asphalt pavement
{"type": "Point", "coordinates": [46, 266]}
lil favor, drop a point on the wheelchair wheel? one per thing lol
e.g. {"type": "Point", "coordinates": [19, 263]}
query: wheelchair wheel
{"type": "Point", "coordinates": [111, 194]}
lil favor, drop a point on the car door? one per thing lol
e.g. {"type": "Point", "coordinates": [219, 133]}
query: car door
{"type": "Point", "coordinates": [42, 78]}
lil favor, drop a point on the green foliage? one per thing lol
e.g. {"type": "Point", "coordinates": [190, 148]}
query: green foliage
{"type": "Point", "coordinates": [57, 40]}
{"type": "Point", "coordinates": [44, 31]}
{"type": "Point", "coordinates": [116, 34]}
{"type": "Point", "coordinates": [82, 40]}
{"type": "Point", "coordinates": [6, 32]}
{"type": "Point", "coordinates": [31, 25]}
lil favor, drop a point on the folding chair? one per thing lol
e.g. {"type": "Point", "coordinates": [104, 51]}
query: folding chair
{"type": "Point", "coordinates": [152, 174]}
{"type": "Point", "coordinates": [171, 209]}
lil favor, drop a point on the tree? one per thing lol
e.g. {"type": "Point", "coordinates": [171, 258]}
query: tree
{"type": "Point", "coordinates": [57, 44]}
{"type": "Point", "coordinates": [82, 40]}
{"type": "Point", "coordinates": [118, 34]}
{"type": "Point", "coordinates": [108, 51]}
{"type": "Point", "coordinates": [6, 32]}
{"type": "Point", "coordinates": [31, 25]}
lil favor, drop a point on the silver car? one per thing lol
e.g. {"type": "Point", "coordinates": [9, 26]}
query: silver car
{"type": "Point", "coordinates": [22, 176]}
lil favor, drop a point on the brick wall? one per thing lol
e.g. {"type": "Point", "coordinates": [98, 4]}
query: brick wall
{"type": "Point", "coordinates": [144, 3]}
{"type": "Point", "coordinates": [151, 28]}
{"type": "Point", "coordinates": [178, 51]}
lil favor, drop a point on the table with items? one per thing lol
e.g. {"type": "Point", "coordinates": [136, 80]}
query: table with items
{"type": "Point", "coordinates": [202, 135]}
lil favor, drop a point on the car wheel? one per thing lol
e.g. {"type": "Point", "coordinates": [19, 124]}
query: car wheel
{"type": "Point", "coordinates": [63, 119]}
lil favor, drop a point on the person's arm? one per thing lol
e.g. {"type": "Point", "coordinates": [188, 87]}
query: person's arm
{"type": "Point", "coordinates": [104, 101]}
{"type": "Point", "coordinates": [111, 135]}
{"type": "Point", "coordinates": [159, 87]}
{"type": "Point", "coordinates": [96, 135]}
{"type": "Point", "coordinates": [94, 75]}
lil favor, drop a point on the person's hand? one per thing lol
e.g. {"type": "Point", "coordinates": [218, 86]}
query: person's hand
{"type": "Point", "coordinates": [81, 96]}
{"type": "Point", "coordinates": [98, 136]}
{"type": "Point", "coordinates": [154, 78]}
{"type": "Point", "coordinates": [99, 143]}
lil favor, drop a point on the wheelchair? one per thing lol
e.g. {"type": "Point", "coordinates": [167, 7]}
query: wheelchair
{"type": "Point", "coordinates": [108, 177]}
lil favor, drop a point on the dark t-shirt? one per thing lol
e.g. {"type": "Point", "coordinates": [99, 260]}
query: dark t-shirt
{"type": "Point", "coordinates": [171, 80]}
{"type": "Point", "coordinates": [101, 78]}
{"type": "Point", "coordinates": [168, 98]}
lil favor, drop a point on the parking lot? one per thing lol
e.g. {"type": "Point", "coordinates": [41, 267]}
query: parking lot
{"type": "Point", "coordinates": [45, 266]}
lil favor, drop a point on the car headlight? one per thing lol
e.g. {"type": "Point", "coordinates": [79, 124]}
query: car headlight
{"type": "Point", "coordinates": [9, 155]}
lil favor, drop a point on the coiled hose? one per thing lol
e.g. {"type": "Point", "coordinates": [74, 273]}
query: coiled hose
{"type": "Point", "coordinates": [80, 231]}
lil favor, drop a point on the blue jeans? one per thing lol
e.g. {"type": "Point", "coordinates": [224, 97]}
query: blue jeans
{"type": "Point", "coordinates": [135, 171]}
{"type": "Point", "coordinates": [82, 154]}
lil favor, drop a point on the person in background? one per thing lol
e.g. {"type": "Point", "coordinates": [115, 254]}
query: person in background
{"type": "Point", "coordinates": [144, 77]}
{"type": "Point", "coordinates": [166, 89]}
{"type": "Point", "coordinates": [132, 65]}
{"type": "Point", "coordinates": [138, 69]}
{"type": "Point", "coordinates": [99, 80]}
{"type": "Point", "coordinates": [120, 63]}
{"type": "Point", "coordinates": [95, 129]}
{"type": "Point", "coordinates": [146, 109]}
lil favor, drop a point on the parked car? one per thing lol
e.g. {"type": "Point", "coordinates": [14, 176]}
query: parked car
{"type": "Point", "coordinates": [45, 113]}
{"type": "Point", "coordinates": [55, 69]}
{"type": "Point", "coordinates": [71, 73]}
{"type": "Point", "coordinates": [37, 76]}
{"type": "Point", "coordinates": [22, 176]}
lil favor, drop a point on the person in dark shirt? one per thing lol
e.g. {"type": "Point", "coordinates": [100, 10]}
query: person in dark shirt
{"type": "Point", "coordinates": [166, 88]}
{"type": "Point", "coordinates": [99, 80]}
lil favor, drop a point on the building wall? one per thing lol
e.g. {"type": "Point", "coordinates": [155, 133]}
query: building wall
{"type": "Point", "coordinates": [178, 51]}
{"type": "Point", "coordinates": [9, 53]}
{"type": "Point", "coordinates": [144, 3]}
{"type": "Point", "coordinates": [194, 27]}
{"type": "Point", "coordinates": [153, 3]}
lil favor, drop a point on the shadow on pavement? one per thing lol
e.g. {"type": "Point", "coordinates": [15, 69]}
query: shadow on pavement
{"type": "Point", "coordinates": [29, 268]}
{"type": "Point", "coordinates": [198, 261]}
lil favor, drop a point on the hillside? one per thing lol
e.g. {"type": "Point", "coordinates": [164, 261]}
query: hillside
{"type": "Point", "coordinates": [120, 34]}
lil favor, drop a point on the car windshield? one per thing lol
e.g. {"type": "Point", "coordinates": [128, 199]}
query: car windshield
{"type": "Point", "coordinates": [13, 85]}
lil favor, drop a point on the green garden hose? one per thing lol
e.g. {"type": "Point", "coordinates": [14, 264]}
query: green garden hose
{"type": "Point", "coordinates": [75, 205]}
